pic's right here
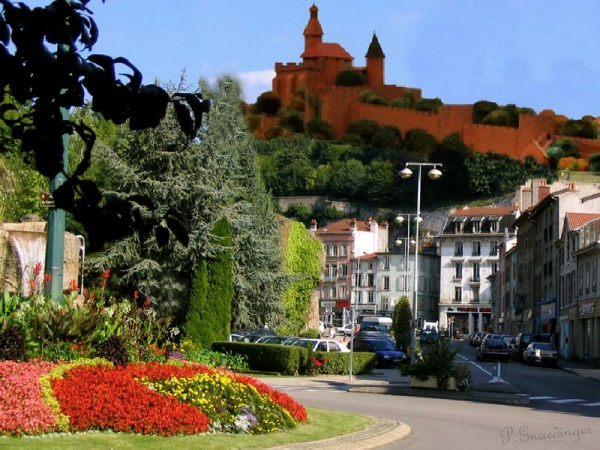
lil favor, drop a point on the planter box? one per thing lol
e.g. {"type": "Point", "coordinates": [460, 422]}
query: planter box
{"type": "Point", "coordinates": [431, 383]}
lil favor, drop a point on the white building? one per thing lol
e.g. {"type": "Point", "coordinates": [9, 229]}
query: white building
{"type": "Point", "coordinates": [469, 255]}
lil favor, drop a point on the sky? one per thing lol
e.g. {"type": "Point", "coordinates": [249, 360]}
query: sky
{"type": "Point", "coordinates": [541, 54]}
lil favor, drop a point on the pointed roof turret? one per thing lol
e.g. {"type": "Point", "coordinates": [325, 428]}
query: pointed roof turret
{"type": "Point", "coordinates": [313, 27]}
{"type": "Point", "coordinates": [375, 50]}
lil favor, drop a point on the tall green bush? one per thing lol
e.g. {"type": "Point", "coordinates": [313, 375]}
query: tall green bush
{"type": "Point", "coordinates": [401, 323]}
{"type": "Point", "coordinates": [220, 280]}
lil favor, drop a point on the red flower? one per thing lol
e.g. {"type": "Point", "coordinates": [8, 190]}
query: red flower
{"type": "Point", "coordinates": [47, 278]}
{"type": "Point", "coordinates": [37, 269]}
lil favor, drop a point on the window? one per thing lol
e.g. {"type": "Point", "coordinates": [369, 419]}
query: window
{"type": "Point", "coordinates": [357, 280]}
{"type": "Point", "coordinates": [458, 271]}
{"type": "Point", "coordinates": [595, 274]}
{"type": "Point", "coordinates": [476, 272]}
{"type": "Point", "coordinates": [370, 280]}
{"type": "Point", "coordinates": [458, 249]}
{"type": "Point", "coordinates": [493, 248]}
{"type": "Point", "coordinates": [494, 226]}
{"type": "Point", "coordinates": [386, 283]}
{"type": "Point", "coordinates": [371, 297]}
{"type": "Point", "coordinates": [494, 267]}
{"type": "Point", "coordinates": [343, 291]}
{"type": "Point", "coordinates": [344, 273]}
{"type": "Point", "coordinates": [332, 250]}
{"type": "Point", "coordinates": [459, 227]}
{"type": "Point", "coordinates": [334, 292]}
{"type": "Point", "coordinates": [343, 250]}
{"type": "Point", "coordinates": [476, 226]}
{"type": "Point", "coordinates": [457, 294]}
{"type": "Point", "coordinates": [385, 303]}
{"type": "Point", "coordinates": [476, 251]}
{"type": "Point", "coordinates": [386, 263]}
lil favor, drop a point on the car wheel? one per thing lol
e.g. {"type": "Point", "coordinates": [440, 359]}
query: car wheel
{"type": "Point", "coordinates": [528, 362]}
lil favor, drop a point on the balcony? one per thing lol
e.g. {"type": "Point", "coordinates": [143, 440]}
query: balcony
{"type": "Point", "coordinates": [475, 281]}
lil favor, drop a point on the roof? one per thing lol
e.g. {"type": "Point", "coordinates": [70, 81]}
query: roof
{"type": "Point", "coordinates": [485, 211]}
{"type": "Point", "coordinates": [367, 256]}
{"type": "Point", "coordinates": [326, 50]}
{"type": "Point", "coordinates": [375, 50]}
{"type": "Point", "coordinates": [577, 220]}
{"type": "Point", "coordinates": [345, 225]}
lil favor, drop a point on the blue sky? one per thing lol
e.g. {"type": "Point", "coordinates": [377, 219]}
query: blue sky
{"type": "Point", "coordinates": [541, 54]}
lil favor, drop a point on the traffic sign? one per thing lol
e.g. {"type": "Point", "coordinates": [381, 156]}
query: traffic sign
{"type": "Point", "coordinates": [47, 200]}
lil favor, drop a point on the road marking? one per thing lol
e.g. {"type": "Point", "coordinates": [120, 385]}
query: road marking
{"type": "Point", "coordinates": [567, 400]}
{"type": "Point", "coordinates": [591, 404]}
{"type": "Point", "coordinates": [541, 398]}
{"type": "Point", "coordinates": [476, 365]}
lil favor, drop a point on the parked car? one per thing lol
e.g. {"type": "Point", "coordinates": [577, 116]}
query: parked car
{"type": "Point", "coordinates": [347, 330]}
{"type": "Point", "coordinates": [478, 338]}
{"type": "Point", "coordinates": [457, 334]}
{"type": "Point", "coordinates": [492, 349]}
{"type": "Point", "coordinates": [510, 341]}
{"type": "Point", "coordinates": [322, 345]}
{"type": "Point", "coordinates": [523, 340]}
{"type": "Point", "coordinates": [429, 336]}
{"type": "Point", "coordinates": [387, 354]}
{"type": "Point", "coordinates": [272, 339]}
{"type": "Point", "coordinates": [541, 352]}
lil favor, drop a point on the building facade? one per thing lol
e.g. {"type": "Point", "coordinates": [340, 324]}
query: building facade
{"type": "Point", "coordinates": [469, 246]}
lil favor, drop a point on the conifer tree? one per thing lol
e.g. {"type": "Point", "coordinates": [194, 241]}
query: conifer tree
{"type": "Point", "coordinates": [401, 323]}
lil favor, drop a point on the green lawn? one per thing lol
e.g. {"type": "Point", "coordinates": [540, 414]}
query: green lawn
{"type": "Point", "coordinates": [322, 424]}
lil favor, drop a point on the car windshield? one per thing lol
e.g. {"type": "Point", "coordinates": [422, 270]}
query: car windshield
{"type": "Point", "coordinates": [381, 345]}
{"type": "Point", "coordinates": [493, 343]}
{"type": "Point", "coordinates": [543, 346]}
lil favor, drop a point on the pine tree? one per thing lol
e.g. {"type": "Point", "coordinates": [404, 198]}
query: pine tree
{"type": "Point", "coordinates": [401, 323]}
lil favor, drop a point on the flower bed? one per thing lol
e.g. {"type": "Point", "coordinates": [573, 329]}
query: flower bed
{"type": "Point", "coordinates": [148, 398]}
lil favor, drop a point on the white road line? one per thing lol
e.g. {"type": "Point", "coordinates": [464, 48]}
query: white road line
{"type": "Point", "coordinates": [476, 365]}
{"type": "Point", "coordinates": [591, 404]}
{"type": "Point", "coordinates": [567, 400]}
{"type": "Point", "coordinates": [541, 398]}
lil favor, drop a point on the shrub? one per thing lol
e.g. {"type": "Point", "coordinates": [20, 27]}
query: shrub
{"type": "Point", "coordinates": [401, 102]}
{"type": "Point", "coordinates": [12, 344]}
{"type": "Point", "coordinates": [311, 333]}
{"type": "Point", "coordinates": [437, 361]}
{"type": "Point", "coordinates": [286, 359]}
{"type": "Point", "coordinates": [320, 129]}
{"type": "Point", "coordinates": [268, 103]}
{"type": "Point", "coordinates": [113, 350]}
{"type": "Point", "coordinates": [293, 121]}
{"type": "Point", "coordinates": [350, 78]}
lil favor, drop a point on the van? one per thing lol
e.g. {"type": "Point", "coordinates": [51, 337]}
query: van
{"type": "Point", "coordinates": [381, 321]}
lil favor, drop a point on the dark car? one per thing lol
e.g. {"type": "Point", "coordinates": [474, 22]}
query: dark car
{"type": "Point", "coordinates": [541, 352]}
{"type": "Point", "coordinates": [510, 341]}
{"type": "Point", "coordinates": [492, 349]}
{"type": "Point", "coordinates": [478, 338]}
{"type": "Point", "coordinates": [429, 336]}
{"type": "Point", "coordinates": [523, 340]}
{"type": "Point", "coordinates": [387, 354]}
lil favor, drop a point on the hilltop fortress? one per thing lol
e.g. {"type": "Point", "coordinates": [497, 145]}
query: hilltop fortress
{"type": "Point", "coordinates": [340, 105]}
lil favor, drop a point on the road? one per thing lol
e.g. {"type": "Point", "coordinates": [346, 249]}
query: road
{"type": "Point", "coordinates": [563, 412]}
{"type": "Point", "coordinates": [456, 425]}
{"type": "Point", "coordinates": [549, 389]}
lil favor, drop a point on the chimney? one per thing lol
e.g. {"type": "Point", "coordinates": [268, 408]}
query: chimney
{"type": "Point", "coordinates": [543, 190]}
{"type": "Point", "coordinates": [313, 225]}
{"type": "Point", "coordinates": [353, 225]}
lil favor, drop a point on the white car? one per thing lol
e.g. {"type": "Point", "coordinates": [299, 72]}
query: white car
{"type": "Point", "coordinates": [346, 330]}
{"type": "Point", "coordinates": [322, 345]}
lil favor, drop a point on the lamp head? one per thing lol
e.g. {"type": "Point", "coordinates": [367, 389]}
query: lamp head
{"type": "Point", "coordinates": [398, 241]}
{"type": "Point", "coordinates": [399, 219]}
{"type": "Point", "coordinates": [405, 173]}
{"type": "Point", "coordinates": [418, 219]}
{"type": "Point", "coordinates": [435, 173]}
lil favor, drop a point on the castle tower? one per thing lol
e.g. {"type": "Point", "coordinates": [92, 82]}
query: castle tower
{"type": "Point", "coordinates": [375, 59]}
{"type": "Point", "coordinates": [313, 33]}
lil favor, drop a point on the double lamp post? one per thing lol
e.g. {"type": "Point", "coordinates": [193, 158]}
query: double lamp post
{"type": "Point", "coordinates": [405, 173]}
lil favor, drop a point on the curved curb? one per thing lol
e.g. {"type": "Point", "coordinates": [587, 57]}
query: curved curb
{"type": "Point", "coordinates": [382, 431]}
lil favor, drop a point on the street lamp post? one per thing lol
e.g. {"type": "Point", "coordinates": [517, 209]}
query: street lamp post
{"type": "Point", "coordinates": [399, 220]}
{"type": "Point", "coordinates": [434, 174]}
{"type": "Point", "coordinates": [353, 314]}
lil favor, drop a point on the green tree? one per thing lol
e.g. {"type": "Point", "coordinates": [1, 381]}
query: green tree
{"type": "Point", "coordinates": [579, 128]}
{"type": "Point", "coordinates": [401, 323]}
{"type": "Point", "coordinates": [365, 129]}
{"type": "Point", "coordinates": [268, 103]}
{"type": "Point", "coordinates": [347, 178]}
{"type": "Point", "coordinates": [595, 162]}
{"type": "Point", "coordinates": [429, 104]}
{"type": "Point", "coordinates": [388, 136]}
{"type": "Point", "coordinates": [482, 108]}
{"type": "Point", "coordinates": [380, 180]}
{"type": "Point", "coordinates": [303, 265]}
{"type": "Point", "coordinates": [498, 117]}
{"type": "Point", "coordinates": [220, 280]}
{"type": "Point", "coordinates": [292, 121]}
{"type": "Point", "coordinates": [420, 141]}
{"type": "Point", "coordinates": [319, 129]}
{"type": "Point", "coordinates": [199, 317]}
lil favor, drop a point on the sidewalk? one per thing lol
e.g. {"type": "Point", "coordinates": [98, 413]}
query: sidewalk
{"type": "Point", "coordinates": [580, 369]}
